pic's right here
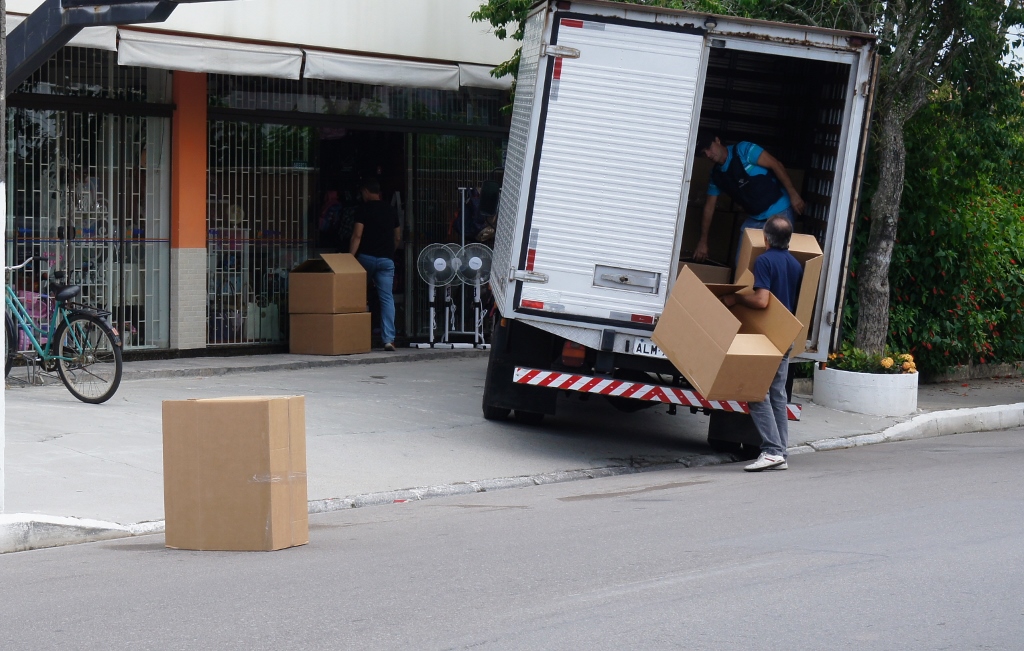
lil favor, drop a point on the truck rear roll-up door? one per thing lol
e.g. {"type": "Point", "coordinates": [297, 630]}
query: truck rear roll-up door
{"type": "Point", "coordinates": [608, 174]}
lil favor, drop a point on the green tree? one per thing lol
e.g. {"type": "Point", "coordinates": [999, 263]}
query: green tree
{"type": "Point", "coordinates": [922, 43]}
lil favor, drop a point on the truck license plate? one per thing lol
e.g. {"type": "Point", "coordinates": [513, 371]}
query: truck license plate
{"type": "Point", "coordinates": [646, 347]}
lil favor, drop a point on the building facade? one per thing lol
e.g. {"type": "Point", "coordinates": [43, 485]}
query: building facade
{"type": "Point", "coordinates": [179, 171]}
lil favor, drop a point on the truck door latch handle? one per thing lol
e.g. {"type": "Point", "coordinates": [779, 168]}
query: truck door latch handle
{"type": "Point", "coordinates": [528, 276]}
{"type": "Point", "coordinates": [559, 51]}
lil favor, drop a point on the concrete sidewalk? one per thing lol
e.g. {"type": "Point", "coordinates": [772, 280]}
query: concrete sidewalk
{"type": "Point", "coordinates": [385, 427]}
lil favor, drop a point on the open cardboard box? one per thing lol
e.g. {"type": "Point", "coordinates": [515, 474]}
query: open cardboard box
{"type": "Point", "coordinates": [725, 353]}
{"type": "Point", "coordinates": [807, 252]}
{"type": "Point", "coordinates": [333, 284]}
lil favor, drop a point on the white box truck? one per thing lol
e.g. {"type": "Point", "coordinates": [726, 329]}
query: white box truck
{"type": "Point", "coordinates": [603, 192]}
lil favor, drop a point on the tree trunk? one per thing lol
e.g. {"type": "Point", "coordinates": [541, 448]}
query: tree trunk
{"type": "Point", "coordinates": [873, 271]}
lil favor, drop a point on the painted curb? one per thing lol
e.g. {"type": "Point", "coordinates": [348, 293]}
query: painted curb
{"type": "Point", "coordinates": [22, 531]}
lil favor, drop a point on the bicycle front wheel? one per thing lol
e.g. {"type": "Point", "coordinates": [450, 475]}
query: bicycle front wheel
{"type": "Point", "coordinates": [88, 358]}
{"type": "Point", "coordinates": [11, 343]}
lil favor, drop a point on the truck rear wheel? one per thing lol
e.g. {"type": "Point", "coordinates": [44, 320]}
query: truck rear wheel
{"type": "Point", "coordinates": [496, 413]}
{"type": "Point", "coordinates": [516, 344]}
{"type": "Point", "coordinates": [529, 417]}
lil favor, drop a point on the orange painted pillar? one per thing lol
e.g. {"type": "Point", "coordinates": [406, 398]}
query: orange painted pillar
{"type": "Point", "coordinates": [189, 153]}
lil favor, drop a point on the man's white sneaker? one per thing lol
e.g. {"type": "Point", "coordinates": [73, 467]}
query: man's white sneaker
{"type": "Point", "coordinates": [765, 462]}
{"type": "Point", "coordinates": [782, 466]}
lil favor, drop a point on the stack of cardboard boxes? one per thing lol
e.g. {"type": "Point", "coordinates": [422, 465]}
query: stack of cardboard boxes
{"type": "Point", "coordinates": [327, 307]}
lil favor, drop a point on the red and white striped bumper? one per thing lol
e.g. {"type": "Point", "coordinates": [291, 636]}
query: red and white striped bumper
{"type": "Point", "coordinates": [634, 390]}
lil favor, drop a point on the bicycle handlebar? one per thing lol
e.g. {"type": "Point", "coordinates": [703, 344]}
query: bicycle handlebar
{"type": "Point", "coordinates": [20, 266]}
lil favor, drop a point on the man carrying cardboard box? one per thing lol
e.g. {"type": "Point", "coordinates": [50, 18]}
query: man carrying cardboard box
{"type": "Point", "coordinates": [375, 237]}
{"type": "Point", "coordinates": [755, 179]}
{"type": "Point", "coordinates": [776, 271]}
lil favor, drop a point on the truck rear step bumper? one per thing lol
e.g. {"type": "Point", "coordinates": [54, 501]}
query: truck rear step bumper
{"type": "Point", "coordinates": [634, 390]}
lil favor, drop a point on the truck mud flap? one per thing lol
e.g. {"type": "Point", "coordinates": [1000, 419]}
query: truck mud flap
{"type": "Point", "coordinates": [635, 390]}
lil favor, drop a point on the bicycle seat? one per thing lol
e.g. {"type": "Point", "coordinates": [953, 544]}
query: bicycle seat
{"type": "Point", "coordinates": [64, 292]}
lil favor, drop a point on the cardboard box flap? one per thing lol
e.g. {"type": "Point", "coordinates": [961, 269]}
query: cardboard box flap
{"type": "Point", "coordinates": [774, 322]}
{"type": "Point", "coordinates": [343, 263]}
{"type": "Point", "coordinates": [753, 344]}
{"type": "Point", "coordinates": [339, 263]}
{"type": "Point", "coordinates": [715, 319]}
{"type": "Point", "coordinates": [689, 347]}
{"type": "Point", "coordinates": [720, 290]}
{"type": "Point", "coordinates": [708, 272]}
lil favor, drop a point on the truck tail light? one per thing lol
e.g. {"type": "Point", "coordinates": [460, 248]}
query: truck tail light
{"type": "Point", "coordinates": [573, 354]}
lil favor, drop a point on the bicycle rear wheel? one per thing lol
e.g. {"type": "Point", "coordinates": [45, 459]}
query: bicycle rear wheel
{"type": "Point", "coordinates": [88, 358]}
{"type": "Point", "coordinates": [11, 343]}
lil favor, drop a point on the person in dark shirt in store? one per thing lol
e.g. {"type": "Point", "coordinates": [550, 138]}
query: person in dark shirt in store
{"type": "Point", "coordinates": [776, 271]}
{"type": "Point", "coordinates": [375, 236]}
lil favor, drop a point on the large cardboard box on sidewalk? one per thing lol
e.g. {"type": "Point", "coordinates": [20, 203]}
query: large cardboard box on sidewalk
{"type": "Point", "coordinates": [807, 252]}
{"type": "Point", "coordinates": [329, 334]}
{"type": "Point", "coordinates": [725, 353]}
{"type": "Point", "coordinates": [235, 473]}
{"type": "Point", "coordinates": [333, 284]}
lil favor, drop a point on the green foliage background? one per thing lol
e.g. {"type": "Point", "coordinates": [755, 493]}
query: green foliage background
{"type": "Point", "coordinates": [957, 277]}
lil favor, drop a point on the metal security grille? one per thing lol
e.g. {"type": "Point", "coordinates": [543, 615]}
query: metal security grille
{"type": "Point", "coordinates": [443, 164]}
{"type": "Point", "coordinates": [88, 195]}
{"type": "Point", "coordinates": [94, 74]}
{"type": "Point", "coordinates": [260, 181]}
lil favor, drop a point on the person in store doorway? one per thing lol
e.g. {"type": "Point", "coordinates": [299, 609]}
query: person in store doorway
{"type": "Point", "coordinates": [776, 271]}
{"type": "Point", "coordinates": [755, 180]}
{"type": "Point", "coordinates": [375, 236]}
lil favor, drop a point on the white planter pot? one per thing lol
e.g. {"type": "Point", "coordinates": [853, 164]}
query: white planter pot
{"type": "Point", "coordinates": [866, 393]}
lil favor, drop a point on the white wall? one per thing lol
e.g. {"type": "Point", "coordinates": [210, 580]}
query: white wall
{"type": "Point", "coordinates": [430, 29]}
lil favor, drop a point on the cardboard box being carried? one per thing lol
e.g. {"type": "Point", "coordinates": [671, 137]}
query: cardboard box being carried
{"type": "Point", "coordinates": [708, 272]}
{"type": "Point", "coordinates": [807, 252]}
{"type": "Point", "coordinates": [329, 334]}
{"type": "Point", "coordinates": [725, 353]}
{"type": "Point", "coordinates": [334, 284]}
{"type": "Point", "coordinates": [235, 473]}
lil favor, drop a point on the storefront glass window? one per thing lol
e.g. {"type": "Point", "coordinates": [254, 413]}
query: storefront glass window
{"type": "Point", "coordinates": [88, 191]}
{"type": "Point", "coordinates": [260, 181]}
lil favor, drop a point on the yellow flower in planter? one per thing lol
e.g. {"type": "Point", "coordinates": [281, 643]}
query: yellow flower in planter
{"type": "Point", "coordinates": [887, 362]}
{"type": "Point", "coordinates": [907, 357]}
{"type": "Point", "coordinates": [908, 366]}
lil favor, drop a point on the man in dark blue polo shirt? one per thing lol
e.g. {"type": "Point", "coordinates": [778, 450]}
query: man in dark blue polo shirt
{"type": "Point", "coordinates": [778, 272]}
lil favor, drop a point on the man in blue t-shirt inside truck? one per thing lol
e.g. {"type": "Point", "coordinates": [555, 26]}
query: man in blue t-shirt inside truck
{"type": "Point", "coordinates": [755, 180]}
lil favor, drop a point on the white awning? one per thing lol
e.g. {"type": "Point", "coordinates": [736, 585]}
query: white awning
{"type": "Point", "coordinates": [480, 77]}
{"type": "Point", "coordinates": [99, 38]}
{"type": "Point", "coordinates": [190, 54]}
{"type": "Point", "coordinates": [380, 72]}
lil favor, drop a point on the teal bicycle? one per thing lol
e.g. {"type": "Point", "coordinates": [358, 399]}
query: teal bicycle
{"type": "Point", "coordinates": [80, 344]}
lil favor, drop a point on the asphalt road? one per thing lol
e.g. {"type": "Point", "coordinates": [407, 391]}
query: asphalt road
{"type": "Point", "coordinates": [911, 545]}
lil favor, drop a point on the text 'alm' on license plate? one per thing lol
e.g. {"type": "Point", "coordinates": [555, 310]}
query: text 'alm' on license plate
{"type": "Point", "coordinates": [646, 347]}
